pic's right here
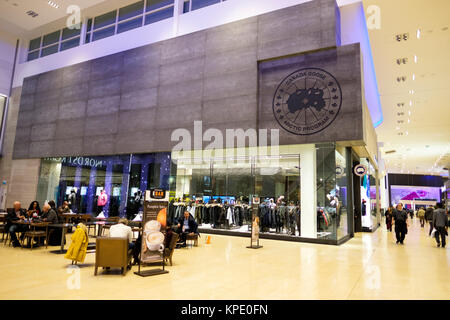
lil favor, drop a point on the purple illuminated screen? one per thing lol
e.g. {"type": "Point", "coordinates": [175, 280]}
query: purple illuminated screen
{"type": "Point", "coordinates": [411, 192]}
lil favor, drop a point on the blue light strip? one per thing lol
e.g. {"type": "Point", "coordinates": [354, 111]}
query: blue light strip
{"type": "Point", "coordinates": [354, 30]}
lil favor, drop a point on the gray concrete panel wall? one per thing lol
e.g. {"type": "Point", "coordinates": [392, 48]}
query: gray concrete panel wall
{"type": "Point", "coordinates": [132, 101]}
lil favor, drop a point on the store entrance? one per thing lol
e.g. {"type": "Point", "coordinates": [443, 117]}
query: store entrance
{"type": "Point", "coordinates": [357, 206]}
{"type": "Point", "coordinates": [219, 192]}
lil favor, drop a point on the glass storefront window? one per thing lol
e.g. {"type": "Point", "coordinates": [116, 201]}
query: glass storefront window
{"type": "Point", "coordinates": [120, 177]}
{"type": "Point", "coordinates": [327, 214]}
{"type": "Point", "coordinates": [217, 192]}
{"type": "Point", "coordinates": [340, 194]}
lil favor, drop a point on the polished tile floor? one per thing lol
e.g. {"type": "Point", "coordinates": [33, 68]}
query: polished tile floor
{"type": "Point", "coordinates": [370, 266]}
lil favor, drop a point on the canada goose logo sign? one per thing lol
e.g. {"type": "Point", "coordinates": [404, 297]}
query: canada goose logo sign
{"type": "Point", "coordinates": [307, 101]}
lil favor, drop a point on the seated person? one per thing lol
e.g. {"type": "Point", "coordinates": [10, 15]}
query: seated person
{"type": "Point", "coordinates": [49, 215]}
{"type": "Point", "coordinates": [34, 211]}
{"type": "Point", "coordinates": [186, 225]}
{"type": "Point", "coordinates": [14, 215]}
{"type": "Point", "coordinates": [122, 230]}
{"type": "Point", "coordinates": [64, 208]}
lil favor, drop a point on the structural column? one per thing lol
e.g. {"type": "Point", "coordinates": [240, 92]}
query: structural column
{"type": "Point", "coordinates": [308, 184]}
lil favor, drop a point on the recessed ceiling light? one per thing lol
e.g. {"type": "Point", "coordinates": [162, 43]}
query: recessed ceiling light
{"type": "Point", "coordinates": [418, 33]}
{"type": "Point", "coordinates": [53, 4]}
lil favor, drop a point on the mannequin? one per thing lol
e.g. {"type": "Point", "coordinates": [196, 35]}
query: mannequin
{"type": "Point", "coordinates": [102, 200]}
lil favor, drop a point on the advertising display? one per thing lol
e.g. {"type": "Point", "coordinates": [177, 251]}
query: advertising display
{"type": "Point", "coordinates": [411, 193]}
{"type": "Point", "coordinates": [254, 244]}
{"type": "Point", "coordinates": [154, 222]}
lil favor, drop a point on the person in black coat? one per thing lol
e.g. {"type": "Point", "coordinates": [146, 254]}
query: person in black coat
{"type": "Point", "coordinates": [401, 224]}
{"type": "Point", "coordinates": [186, 225]}
{"type": "Point", "coordinates": [15, 214]}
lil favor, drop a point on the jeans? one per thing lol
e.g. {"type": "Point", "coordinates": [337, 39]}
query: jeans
{"type": "Point", "coordinates": [440, 231]}
{"type": "Point", "coordinates": [400, 231]}
{"type": "Point", "coordinates": [422, 222]}
{"type": "Point", "coordinates": [12, 232]}
{"type": "Point", "coordinates": [431, 227]}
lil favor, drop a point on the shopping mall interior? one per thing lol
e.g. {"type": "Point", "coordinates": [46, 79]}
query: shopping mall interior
{"type": "Point", "coordinates": [250, 149]}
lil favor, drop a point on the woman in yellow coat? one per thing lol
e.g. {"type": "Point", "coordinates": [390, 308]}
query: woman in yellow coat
{"type": "Point", "coordinates": [78, 247]}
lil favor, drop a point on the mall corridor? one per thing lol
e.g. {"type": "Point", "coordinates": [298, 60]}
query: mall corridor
{"type": "Point", "coordinates": [369, 266]}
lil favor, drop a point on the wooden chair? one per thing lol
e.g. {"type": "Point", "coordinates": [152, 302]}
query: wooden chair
{"type": "Point", "coordinates": [3, 227]}
{"type": "Point", "coordinates": [193, 238]}
{"type": "Point", "coordinates": [86, 218]}
{"type": "Point", "coordinates": [108, 226]}
{"type": "Point", "coordinates": [30, 235]}
{"type": "Point", "coordinates": [168, 252]}
{"type": "Point", "coordinates": [112, 253]}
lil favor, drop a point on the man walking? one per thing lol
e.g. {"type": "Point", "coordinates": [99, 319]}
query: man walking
{"type": "Point", "coordinates": [429, 218]}
{"type": "Point", "coordinates": [440, 223]}
{"type": "Point", "coordinates": [401, 226]}
{"type": "Point", "coordinates": [421, 215]}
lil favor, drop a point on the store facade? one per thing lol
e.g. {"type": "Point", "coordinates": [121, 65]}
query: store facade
{"type": "Point", "coordinates": [270, 106]}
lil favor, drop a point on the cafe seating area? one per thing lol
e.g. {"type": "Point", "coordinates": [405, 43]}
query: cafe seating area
{"type": "Point", "coordinates": [110, 253]}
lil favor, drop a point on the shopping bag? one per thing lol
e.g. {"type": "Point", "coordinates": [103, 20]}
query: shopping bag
{"type": "Point", "coordinates": [433, 232]}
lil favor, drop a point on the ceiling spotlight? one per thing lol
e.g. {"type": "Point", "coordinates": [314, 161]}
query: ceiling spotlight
{"type": "Point", "coordinates": [31, 13]}
{"type": "Point", "coordinates": [418, 33]}
{"type": "Point", "coordinates": [53, 4]}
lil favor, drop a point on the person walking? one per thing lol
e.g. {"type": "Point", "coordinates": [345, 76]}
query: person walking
{"type": "Point", "coordinates": [440, 223]}
{"type": "Point", "coordinates": [389, 215]}
{"type": "Point", "coordinates": [401, 224]}
{"type": "Point", "coordinates": [421, 216]}
{"type": "Point", "coordinates": [429, 218]}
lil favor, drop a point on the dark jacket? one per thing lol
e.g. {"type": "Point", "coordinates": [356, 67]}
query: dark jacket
{"type": "Point", "coordinates": [11, 215]}
{"type": "Point", "coordinates": [51, 216]}
{"type": "Point", "coordinates": [429, 214]}
{"type": "Point", "coordinates": [440, 218]}
{"type": "Point", "coordinates": [400, 216]}
{"type": "Point", "coordinates": [193, 226]}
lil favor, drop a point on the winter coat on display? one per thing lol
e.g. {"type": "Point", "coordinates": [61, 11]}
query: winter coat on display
{"type": "Point", "coordinates": [102, 200]}
{"type": "Point", "coordinates": [78, 247]}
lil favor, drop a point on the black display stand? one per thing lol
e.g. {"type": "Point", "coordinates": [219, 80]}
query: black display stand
{"type": "Point", "coordinates": [151, 272]}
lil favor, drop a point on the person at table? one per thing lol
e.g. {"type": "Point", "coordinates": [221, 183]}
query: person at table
{"type": "Point", "coordinates": [14, 215]}
{"type": "Point", "coordinates": [49, 215]}
{"type": "Point", "coordinates": [34, 211]}
{"type": "Point", "coordinates": [122, 230]}
{"type": "Point", "coordinates": [186, 225]}
{"type": "Point", "coordinates": [64, 208]}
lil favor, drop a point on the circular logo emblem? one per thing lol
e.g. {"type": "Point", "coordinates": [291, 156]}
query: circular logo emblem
{"type": "Point", "coordinates": [360, 170]}
{"type": "Point", "coordinates": [307, 101]}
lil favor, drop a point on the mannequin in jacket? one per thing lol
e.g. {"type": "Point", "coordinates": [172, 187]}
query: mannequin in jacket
{"type": "Point", "coordinates": [186, 225]}
{"type": "Point", "coordinates": [101, 201]}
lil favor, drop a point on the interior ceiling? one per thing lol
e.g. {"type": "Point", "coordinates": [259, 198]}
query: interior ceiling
{"type": "Point", "coordinates": [416, 111]}
{"type": "Point", "coordinates": [14, 12]}
{"type": "Point", "coordinates": [423, 147]}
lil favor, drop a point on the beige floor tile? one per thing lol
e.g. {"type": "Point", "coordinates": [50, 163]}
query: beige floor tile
{"type": "Point", "coordinates": [370, 266]}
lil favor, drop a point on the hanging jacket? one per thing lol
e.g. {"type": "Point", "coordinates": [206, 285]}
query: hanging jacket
{"type": "Point", "coordinates": [78, 247]}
